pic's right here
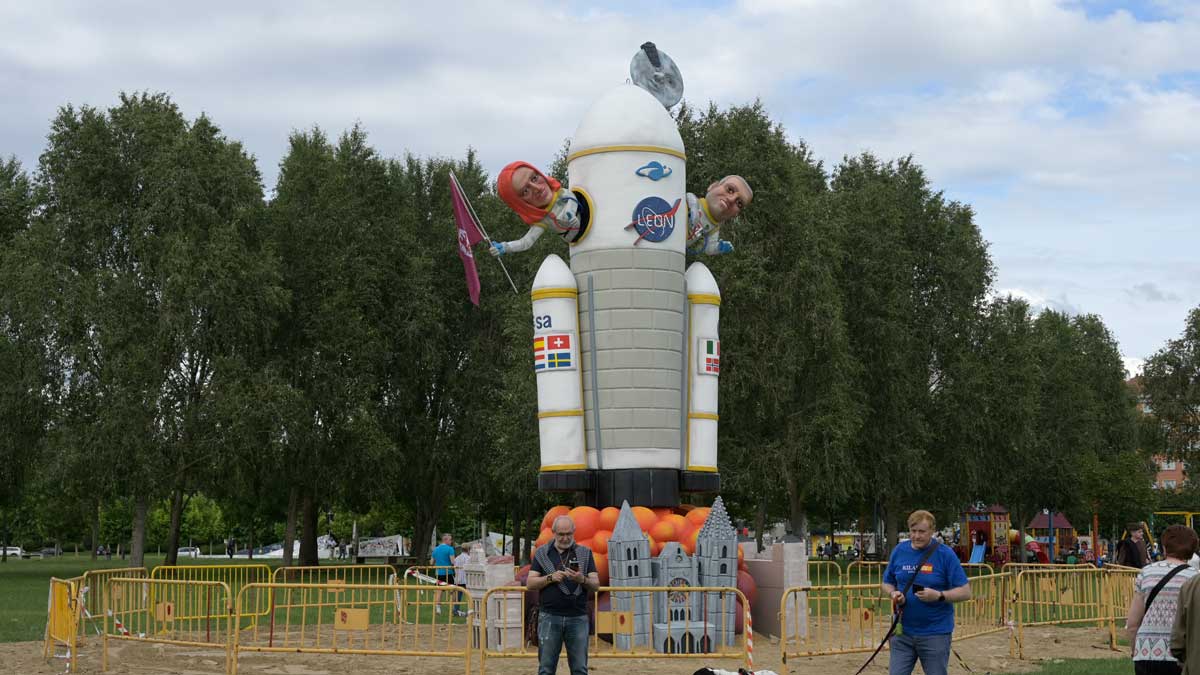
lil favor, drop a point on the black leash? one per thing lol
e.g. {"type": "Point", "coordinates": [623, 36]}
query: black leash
{"type": "Point", "coordinates": [899, 609]}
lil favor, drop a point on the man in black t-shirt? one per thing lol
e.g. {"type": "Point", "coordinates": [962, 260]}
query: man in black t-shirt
{"type": "Point", "coordinates": [565, 574]}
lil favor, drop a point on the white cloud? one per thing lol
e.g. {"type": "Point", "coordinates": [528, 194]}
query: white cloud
{"type": "Point", "coordinates": [1038, 303]}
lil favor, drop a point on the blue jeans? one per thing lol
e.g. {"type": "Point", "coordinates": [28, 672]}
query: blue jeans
{"type": "Point", "coordinates": [933, 650]}
{"type": "Point", "coordinates": [553, 631]}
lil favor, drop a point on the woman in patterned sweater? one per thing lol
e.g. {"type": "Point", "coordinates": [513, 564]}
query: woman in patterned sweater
{"type": "Point", "coordinates": [1150, 630]}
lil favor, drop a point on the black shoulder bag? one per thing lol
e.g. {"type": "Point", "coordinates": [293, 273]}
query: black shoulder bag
{"type": "Point", "coordinates": [933, 544]}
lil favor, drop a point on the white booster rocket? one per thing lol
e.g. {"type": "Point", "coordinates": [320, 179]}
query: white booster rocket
{"type": "Point", "coordinates": [626, 349]}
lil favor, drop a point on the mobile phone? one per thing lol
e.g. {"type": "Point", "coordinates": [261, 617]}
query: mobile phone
{"type": "Point", "coordinates": [574, 565]}
{"type": "Point", "coordinates": [917, 588]}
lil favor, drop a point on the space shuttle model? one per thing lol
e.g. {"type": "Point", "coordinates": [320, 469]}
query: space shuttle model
{"type": "Point", "coordinates": [626, 348]}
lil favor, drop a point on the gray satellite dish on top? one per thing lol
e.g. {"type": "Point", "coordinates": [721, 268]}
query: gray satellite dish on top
{"type": "Point", "coordinates": [655, 72]}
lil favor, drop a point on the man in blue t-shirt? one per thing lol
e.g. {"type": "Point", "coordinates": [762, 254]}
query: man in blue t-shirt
{"type": "Point", "coordinates": [927, 612]}
{"type": "Point", "coordinates": [442, 559]}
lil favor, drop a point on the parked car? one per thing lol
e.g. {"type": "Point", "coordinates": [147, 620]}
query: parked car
{"type": "Point", "coordinates": [13, 551]}
{"type": "Point", "coordinates": [50, 552]}
{"type": "Point", "coordinates": [188, 552]}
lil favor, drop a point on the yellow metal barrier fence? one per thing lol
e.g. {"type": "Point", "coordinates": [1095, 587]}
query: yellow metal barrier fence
{"type": "Point", "coordinates": [93, 588]}
{"type": "Point", "coordinates": [1016, 568]}
{"type": "Point", "coordinates": [864, 572]}
{"type": "Point", "coordinates": [824, 620]}
{"type": "Point", "coordinates": [233, 576]}
{"type": "Point", "coordinates": [644, 621]}
{"type": "Point", "coordinates": [62, 618]}
{"type": "Point", "coordinates": [987, 610]}
{"type": "Point", "coordinates": [824, 573]}
{"type": "Point", "coordinates": [370, 575]}
{"type": "Point", "coordinates": [337, 618]}
{"type": "Point", "coordinates": [164, 611]}
{"type": "Point", "coordinates": [978, 569]}
{"type": "Point", "coordinates": [1118, 593]}
{"type": "Point", "coordinates": [821, 620]}
{"type": "Point", "coordinates": [1059, 597]}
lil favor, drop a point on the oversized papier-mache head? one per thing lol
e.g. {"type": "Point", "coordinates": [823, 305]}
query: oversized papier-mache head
{"type": "Point", "coordinates": [528, 212]}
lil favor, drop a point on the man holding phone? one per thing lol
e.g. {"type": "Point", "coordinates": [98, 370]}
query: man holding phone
{"type": "Point", "coordinates": [924, 579]}
{"type": "Point", "coordinates": [565, 574]}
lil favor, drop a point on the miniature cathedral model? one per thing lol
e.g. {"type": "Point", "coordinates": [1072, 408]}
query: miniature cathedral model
{"type": "Point", "coordinates": [681, 622]}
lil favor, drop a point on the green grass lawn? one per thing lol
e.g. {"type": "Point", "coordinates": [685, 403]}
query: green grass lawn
{"type": "Point", "coordinates": [1086, 667]}
{"type": "Point", "coordinates": [24, 585]}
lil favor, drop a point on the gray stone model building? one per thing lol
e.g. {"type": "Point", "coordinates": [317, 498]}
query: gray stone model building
{"type": "Point", "coordinates": [716, 560]}
{"type": "Point", "coordinates": [681, 622]}
{"type": "Point", "coordinates": [629, 565]}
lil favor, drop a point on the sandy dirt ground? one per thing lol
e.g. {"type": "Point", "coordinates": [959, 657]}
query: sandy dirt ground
{"type": "Point", "coordinates": [986, 654]}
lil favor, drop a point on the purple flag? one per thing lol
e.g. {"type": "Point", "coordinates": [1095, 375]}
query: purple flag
{"type": "Point", "coordinates": [468, 235]}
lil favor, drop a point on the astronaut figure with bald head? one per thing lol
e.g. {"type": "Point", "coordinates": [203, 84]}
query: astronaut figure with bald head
{"type": "Point", "coordinates": [722, 203]}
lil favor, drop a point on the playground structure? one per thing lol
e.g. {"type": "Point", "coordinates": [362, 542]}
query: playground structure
{"type": "Point", "coordinates": [985, 535]}
{"type": "Point", "coordinates": [1064, 535]}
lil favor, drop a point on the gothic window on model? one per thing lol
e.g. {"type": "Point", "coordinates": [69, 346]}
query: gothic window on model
{"type": "Point", "coordinates": [724, 568]}
{"type": "Point", "coordinates": [635, 571]}
{"type": "Point", "coordinates": [724, 551]}
{"type": "Point", "coordinates": [629, 570]}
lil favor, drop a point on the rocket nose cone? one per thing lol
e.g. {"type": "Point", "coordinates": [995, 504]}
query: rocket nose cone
{"type": "Point", "coordinates": [626, 115]}
{"type": "Point", "coordinates": [554, 273]}
{"type": "Point", "coordinates": [700, 280]}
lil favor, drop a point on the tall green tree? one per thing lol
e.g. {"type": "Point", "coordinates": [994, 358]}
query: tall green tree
{"type": "Point", "coordinates": [914, 277]}
{"type": "Point", "coordinates": [789, 408]}
{"type": "Point", "coordinates": [143, 234]}
{"type": "Point", "coordinates": [25, 357]}
{"type": "Point", "coordinates": [1171, 387]}
{"type": "Point", "coordinates": [327, 224]}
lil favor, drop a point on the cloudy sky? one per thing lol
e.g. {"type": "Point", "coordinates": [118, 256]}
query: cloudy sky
{"type": "Point", "coordinates": [1072, 127]}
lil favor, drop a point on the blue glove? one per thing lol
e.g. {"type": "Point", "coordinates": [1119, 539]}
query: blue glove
{"type": "Point", "coordinates": [724, 247]}
{"type": "Point", "coordinates": [498, 249]}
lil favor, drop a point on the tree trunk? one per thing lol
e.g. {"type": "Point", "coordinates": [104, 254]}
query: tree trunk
{"type": "Point", "coordinates": [4, 536]}
{"type": "Point", "coordinates": [529, 534]}
{"type": "Point", "coordinates": [760, 521]}
{"type": "Point", "coordinates": [518, 528]}
{"type": "Point", "coordinates": [95, 518]}
{"type": "Point", "coordinates": [424, 520]}
{"type": "Point", "coordinates": [308, 530]}
{"type": "Point", "coordinates": [289, 530]}
{"type": "Point", "coordinates": [176, 524]}
{"type": "Point", "coordinates": [137, 549]}
{"type": "Point", "coordinates": [891, 530]}
{"type": "Point", "coordinates": [799, 517]}
{"type": "Point", "coordinates": [250, 542]}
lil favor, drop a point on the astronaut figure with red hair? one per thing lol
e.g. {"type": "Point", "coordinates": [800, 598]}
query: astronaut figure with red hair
{"type": "Point", "coordinates": [542, 202]}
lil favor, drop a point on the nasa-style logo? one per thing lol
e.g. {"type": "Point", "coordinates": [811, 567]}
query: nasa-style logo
{"type": "Point", "coordinates": [654, 219]}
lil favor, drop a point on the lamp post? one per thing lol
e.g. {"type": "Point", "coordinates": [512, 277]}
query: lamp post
{"type": "Point", "coordinates": [1050, 524]}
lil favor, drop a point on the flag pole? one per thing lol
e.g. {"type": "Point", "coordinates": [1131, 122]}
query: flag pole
{"type": "Point", "coordinates": [482, 231]}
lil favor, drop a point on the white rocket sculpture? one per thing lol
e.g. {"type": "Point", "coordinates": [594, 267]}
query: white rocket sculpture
{"type": "Point", "coordinates": [626, 349]}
